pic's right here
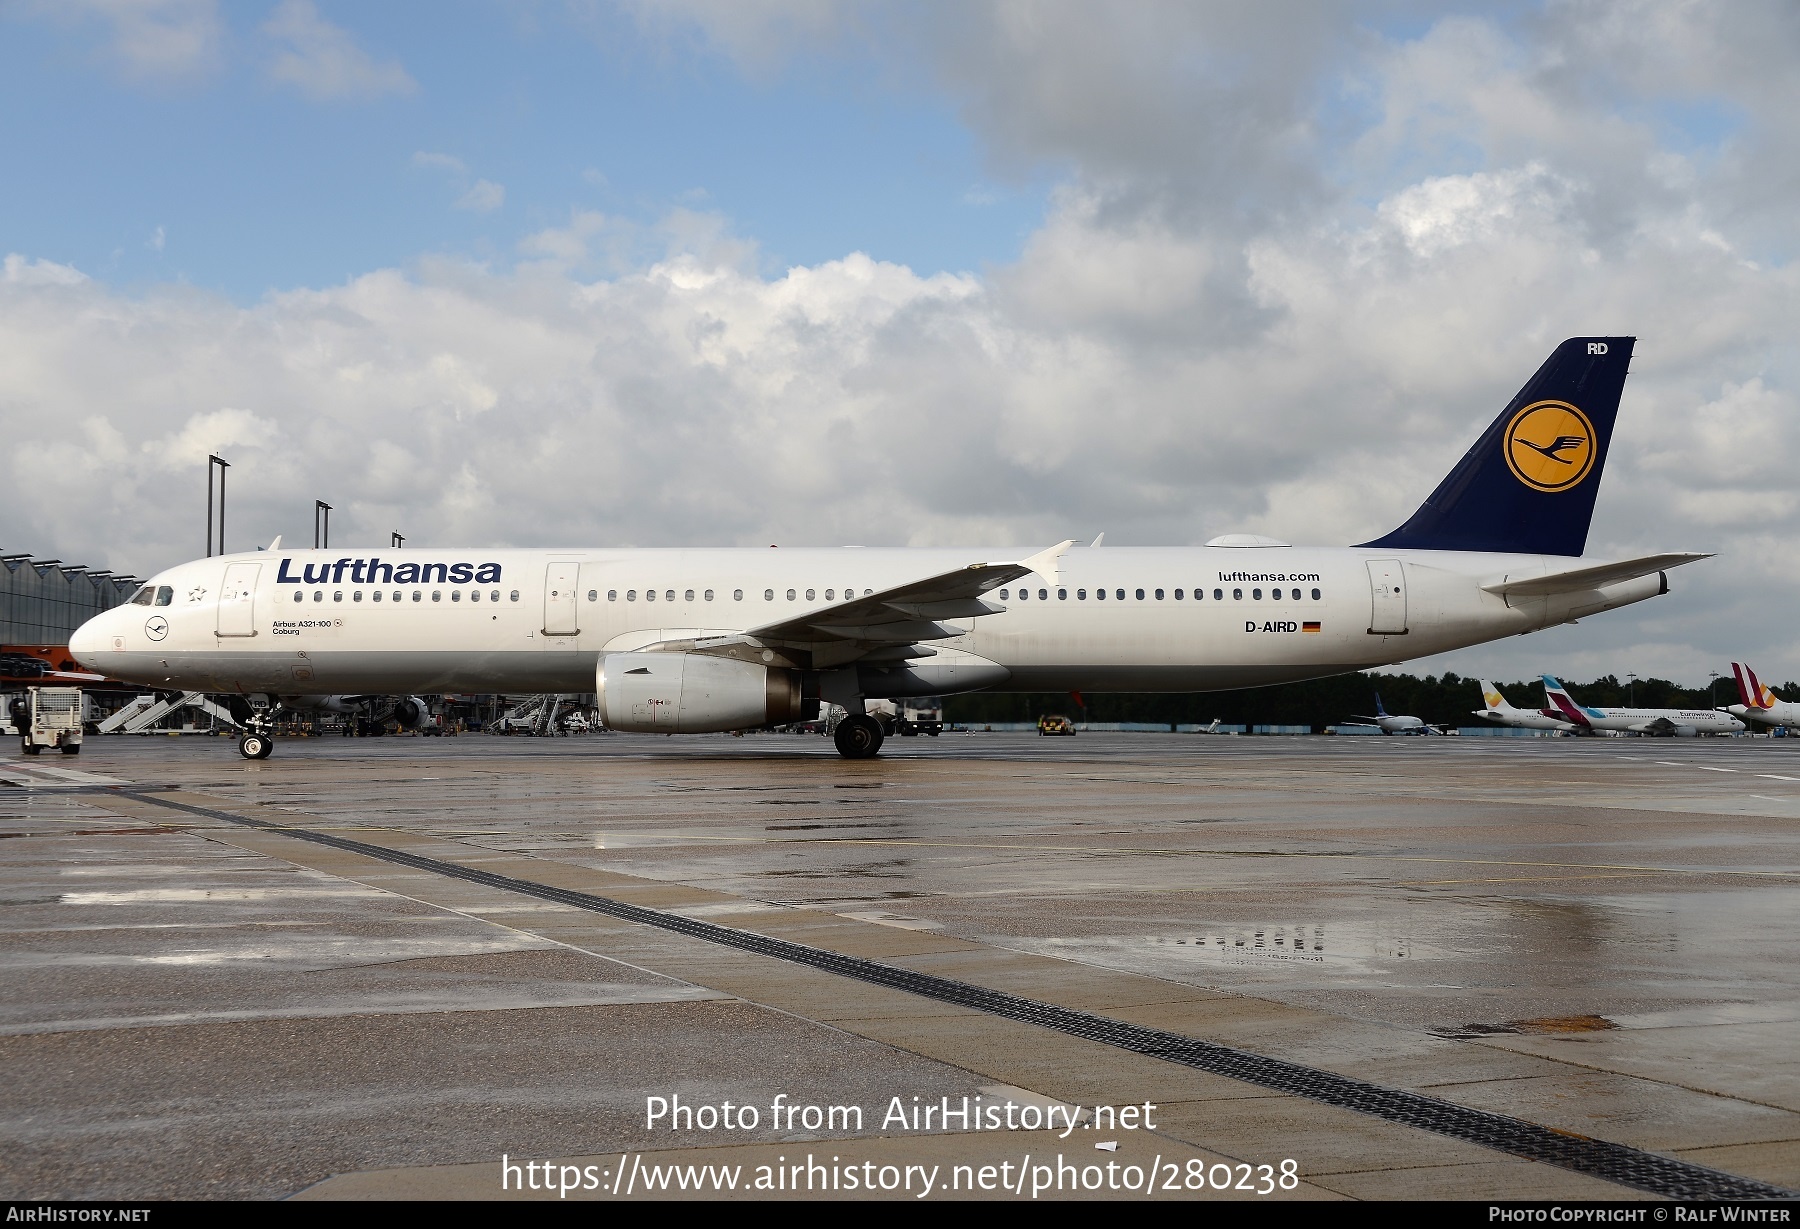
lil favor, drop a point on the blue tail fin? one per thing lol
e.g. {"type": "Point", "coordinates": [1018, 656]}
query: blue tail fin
{"type": "Point", "coordinates": [1379, 711]}
{"type": "Point", "coordinates": [1528, 484]}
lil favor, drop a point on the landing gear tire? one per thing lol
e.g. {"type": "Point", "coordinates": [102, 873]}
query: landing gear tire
{"type": "Point", "coordinates": [859, 737]}
{"type": "Point", "coordinates": [255, 746]}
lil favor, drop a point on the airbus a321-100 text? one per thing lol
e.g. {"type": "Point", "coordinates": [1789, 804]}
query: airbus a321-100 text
{"type": "Point", "coordinates": [698, 640]}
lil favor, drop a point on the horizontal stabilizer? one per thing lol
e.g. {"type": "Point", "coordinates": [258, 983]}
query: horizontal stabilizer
{"type": "Point", "coordinates": [1598, 576]}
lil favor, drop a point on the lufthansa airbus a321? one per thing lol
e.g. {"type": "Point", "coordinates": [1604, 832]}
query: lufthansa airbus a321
{"type": "Point", "coordinates": [698, 640]}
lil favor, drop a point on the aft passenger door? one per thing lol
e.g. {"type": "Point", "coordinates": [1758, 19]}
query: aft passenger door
{"type": "Point", "coordinates": [1387, 615]}
{"type": "Point", "coordinates": [237, 600]}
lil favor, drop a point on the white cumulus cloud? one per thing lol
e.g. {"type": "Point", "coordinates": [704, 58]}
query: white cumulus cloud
{"type": "Point", "coordinates": [323, 61]}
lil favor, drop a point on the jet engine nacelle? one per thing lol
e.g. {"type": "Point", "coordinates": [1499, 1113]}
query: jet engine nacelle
{"type": "Point", "coordinates": [409, 711]}
{"type": "Point", "coordinates": [692, 693]}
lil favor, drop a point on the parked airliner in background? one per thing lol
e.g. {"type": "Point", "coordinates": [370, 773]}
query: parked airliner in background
{"type": "Point", "coordinates": [696, 640]}
{"type": "Point", "coordinates": [1656, 722]}
{"type": "Point", "coordinates": [1759, 703]}
{"type": "Point", "coordinates": [1502, 713]}
{"type": "Point", "coordinates": [1395, 725]}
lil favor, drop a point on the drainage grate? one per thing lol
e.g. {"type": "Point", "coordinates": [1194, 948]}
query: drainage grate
{"type": "Point", "coordinates": [1611, 1162]}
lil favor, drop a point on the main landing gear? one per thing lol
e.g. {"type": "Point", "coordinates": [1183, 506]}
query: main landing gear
{"type": "Point", "coordinates": [858, 737]}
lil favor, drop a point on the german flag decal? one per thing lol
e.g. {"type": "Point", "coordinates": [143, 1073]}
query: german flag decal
{"type": "Point", "coordinates": [1309, 627]}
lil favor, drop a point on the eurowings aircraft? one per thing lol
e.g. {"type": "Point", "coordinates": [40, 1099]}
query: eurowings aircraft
{"type": "Point", "coordinates": [1395, 725]}
{"type": "Point", "coordinates": [698, 640]}
{"type": "Point", "coordinates": [1760, 704]}
{"type": "Point", "coordinates": [1656, 722]}
{"type": "Point", "coordinates": [1502, 713]}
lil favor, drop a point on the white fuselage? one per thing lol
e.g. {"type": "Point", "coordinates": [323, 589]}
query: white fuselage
{"type": "Point", "coordinates": [1522, 718]}
{"type": "Point", "coordinates": [1782, 712]}
{"type": "Point", "coordinates": [1659, 720]}
{"type": "Point", "coordinates": [345, 622]}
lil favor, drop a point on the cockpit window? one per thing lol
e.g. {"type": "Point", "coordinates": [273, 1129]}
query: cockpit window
{"type": "Point", "coordinates": [165, 594]}
{"type": "Point", "coordinates": [142, 596]}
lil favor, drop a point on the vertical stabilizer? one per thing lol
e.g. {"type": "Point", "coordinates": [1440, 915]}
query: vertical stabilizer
{"type": "Point", "coordinates": [1557, 698]}
{"type": "Point", "coordinates": [1528, 484]}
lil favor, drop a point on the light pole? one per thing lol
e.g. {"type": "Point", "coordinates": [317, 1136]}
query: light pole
{"type": "Point", "coordinates": [221, 465]}
{"type": "Point", "coordinates": [397, 540]}
{"type": "Point", "coordinates": [1712, 701]}
{"type": "Point", "coordinates": [1630, 690]}
{"type": "Point", "coordinates": [321, 524]}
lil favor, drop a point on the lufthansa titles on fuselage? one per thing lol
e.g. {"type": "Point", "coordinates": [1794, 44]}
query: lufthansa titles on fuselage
{"type": "Point", "coordinates": [373, 571]}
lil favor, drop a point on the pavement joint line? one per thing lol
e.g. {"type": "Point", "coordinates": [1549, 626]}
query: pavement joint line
{"type": "Point", "coordinates": [1603, 1159]}
{"type": "Point", "coordinates": [1126, 851]}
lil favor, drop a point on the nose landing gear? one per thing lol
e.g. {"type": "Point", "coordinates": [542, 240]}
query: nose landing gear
{"type": "Point", "coordinates": [254, 746]}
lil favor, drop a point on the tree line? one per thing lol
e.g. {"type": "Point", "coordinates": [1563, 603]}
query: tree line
{"type": "Point", "coordinates": [1447, 699]}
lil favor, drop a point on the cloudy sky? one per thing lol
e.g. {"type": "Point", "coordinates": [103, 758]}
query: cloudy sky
{"type": "Point", "coordinates": [819, 272]}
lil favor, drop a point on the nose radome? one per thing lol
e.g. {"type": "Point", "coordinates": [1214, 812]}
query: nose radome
{"type": "Point", "coordinates": [90, 641]}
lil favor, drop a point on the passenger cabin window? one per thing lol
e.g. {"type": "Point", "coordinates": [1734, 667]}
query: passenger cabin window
{"type": "Point", "coordinates": [1099, 595]}
{"type": "Point", "coordinates": [338, 596]}
{"type": "Point", "coordinates": [768, 595]}
{"type": "Point", "coordinates": [418, 595]}
{"type": "Point", "coordinates": [649, 595]}
{"type": "Point", "coordinates": [455, 595]}
{"type": "Point", "coordinates": [1062, 595]}
{"type": "Point", "coordinates": [1219, 595]}
{"type": "Point", "coordinates": [737, 595]}
{"type": "Point", "coordinates": [709, 595]}
{"type": "Point", "coordinates": [670, 596]}
{"type": "Point", "coordinates": [437, 595]}
{"type": "Point", "coordinates": [1003, 594]}
{"type": "Point", "coordinates": [1043, 595]}
{"type": "Point", "coordinates": [828, 596]}
{"type": "Point", "coordinates": [809, 594]}
{"type": "Point", "coordinates": [1256, 594]}
{"type": "Point", "coordinates": [688, 596]}
{"type": "Point", "coordinates": [593, 595]}
{"type": "Point", "coordinates": [790, 595]}
{"type": "Point", "coordinates": [318, 595]}
{"type": "Point", "coordinates": [1315, 595]}
{"type": "Point", "coordinates": [1140, 595]}
{"type": "Point", "coordinates": [475, 595]}
{"type": "Point", "coordinates": [515, 595]}
{"type": "Point", "coordinates": [375, 596]}
{"type": "Point", "coordinates": [495, 596]}
{"type": "Point", "coordinates": [1237, 595]}
{"type": "Point", "coordinates": [397, 595]}
{"type": "Point", "coordinates": [1120, 594]}
{"type": "Point", "coordinates": [612, 595]}
{"type": "Point", "coordinates": [357, 596]}
{"type": "Point", "coordinates": [1159, 595]}
{"type": "Point", "coordinates": [1177, 595]}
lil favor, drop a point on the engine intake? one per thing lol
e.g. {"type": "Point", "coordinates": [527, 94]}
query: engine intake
{"type": "Point", "coordinates": [693, 693]}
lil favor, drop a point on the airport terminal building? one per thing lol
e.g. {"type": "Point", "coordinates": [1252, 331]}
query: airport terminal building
{"type": "Point", "coordinates": [42, 601]}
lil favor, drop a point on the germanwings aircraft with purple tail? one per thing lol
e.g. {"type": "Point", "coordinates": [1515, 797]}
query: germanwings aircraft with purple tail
{"type": "Point", "coordinates": [698, 640]}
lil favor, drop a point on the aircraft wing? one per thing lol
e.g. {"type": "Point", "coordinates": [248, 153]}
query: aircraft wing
{"type": "Point", "coordinates": [1596, 576]}
{"type": "Point", "coordinates": [1370, 720]}
{"type": "Point", "coordinates": [912, 611]}
{"type": "Point", "coordinates": [890, 623]}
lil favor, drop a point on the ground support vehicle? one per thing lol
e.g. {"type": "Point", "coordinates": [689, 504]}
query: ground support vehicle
{"type": "Point", "coordinates": [48, 717]}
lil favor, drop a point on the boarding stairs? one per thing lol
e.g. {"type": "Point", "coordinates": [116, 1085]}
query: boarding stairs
{"type": "Point", "coordinates": [142, 714]}
{"type": "Point", "coordinates": [540, 711]}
